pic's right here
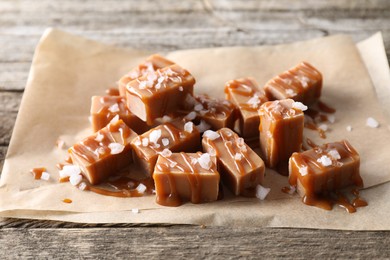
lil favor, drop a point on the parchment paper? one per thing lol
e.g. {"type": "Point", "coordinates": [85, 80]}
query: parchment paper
{"type": "Point", "coordinates": [67, 70]}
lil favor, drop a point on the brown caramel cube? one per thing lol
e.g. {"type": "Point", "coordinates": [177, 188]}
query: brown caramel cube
{"type": "Point", "coordinates": [105, 152]}
{"type": "Point", "coordinates": [216, 113]}
{"type": "Point", "coordinates": [240, 167]}
{"type": "Point", "coordinates": [104, 109]}
{"type": "Point", "coordinates": [281, 130]}
{"type": "Point", "coordinates": [151, 65]}
{"type": "Point", "coordinates": [181, 177]}
{"type": "Point", "coordinates": [302, 83]}
{"type": "Point", "coordinates": [176, 136]}
{"type": "Point", "coordinates": [324, 169]}
{"type": "Point", "coordinates": [248, 97]}
{"type": "Point", "coordinates": [160, 93]}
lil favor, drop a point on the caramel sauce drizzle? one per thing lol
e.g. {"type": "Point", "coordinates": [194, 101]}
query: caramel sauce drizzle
{"type": "Point", "coordinates": [37, 172]}
{"type": "Point", "coordinates": [107, 101]}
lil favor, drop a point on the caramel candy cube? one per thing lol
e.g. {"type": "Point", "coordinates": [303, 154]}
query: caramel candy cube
{"type": "Point", "coordinates": [325, 169]}
{"type": "Point", "coordinates": [104, 109]}
{"type": "Point", "coordinates": [176, 136]}
{"type": "Point", "coordinates": [240, 167]}
{"type": "Point", "coordinates": [105, 152]}
{"type": "Point", "coordinates": [247, 96]}
{"type": "Point", "coordinates": [150, 66]}
{"type": "Point", "coordinates": [302, 83]}
{"type": "Point", "coordinates": [181, 177]}
{"type": "Point", "coordinates": [217, 113]}
{"type": "Point", "coordinates": [281, 130]}
{"type": "Point", "coordinates": [160, 93]}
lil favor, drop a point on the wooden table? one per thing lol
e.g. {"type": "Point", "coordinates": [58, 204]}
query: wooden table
{"type": "Point", "coordinates": [171, 25]}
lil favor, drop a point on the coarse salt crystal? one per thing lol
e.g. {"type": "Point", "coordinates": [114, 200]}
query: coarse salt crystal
{"type": "Point", "coordinates": [145, 142]}
{"type": "Point", "coordinates": [212, 135]}
{"type": "Point", "coordinates": [238, 157]}
{"type": "Point", "coordinates": [299, 105]}
{"type": "Point", "coordinates": [137, 142]}
{"type": "Point", "coordinates": [142, 85]}
{"type": "Point", "coordinates": [165, 141]}
{"type": "Point", "coordinates": [205, 161]}
{"type": "Point", "coordinates": [303, 170]}
{"type": "Point", "coordinates": [75, 179]}
{"type": "Point", "coordinates": [45, 176]}
{"type": "Point", "coordinates": [198, 107]}
{"type": "Point", "coordinates": [349, 128]}
{"type": "Point", "coordinates": [190, 116]}
{"type": "Point", "coordinates": [69, 170]}
{"type": "Point", "coordinates": [189, 127]}
{"type": "Point", "coordinates": [135, 211]}
{"type": "Point", "coordinates": [325, 160]}
{"type": "Point", "coordinates": [323, 127]}
{"type": "Point", "coordinates": [99, 137]}
{"type": "Point", "coordinates": [155, 135]}
{"type": "Point", "coordinates": [194, 160]}
{"type": "Point", "coordinates": [254, 101]}
{"type": "Point", "coordinates": [262, 192]}
{"type": "Point", "coordinates": [334, 154]}
{"type": "Point", "coordinates": [203, 126]}
{"type": "Point", "coordinates": [151, 77]}
{"type": "Point", "coordinates": [212, 152]}
{"type": "Point", "coordinates": [172, 164]}
{"type": "Point", "coordinates": [114, 108]}
{"type": "Point", "coordinates": [290, 92]}
{"type": "Point", "coordinates": [82, 186]}
{"type": "Point", "coordinates": [331, 118]}
{"type": "Point", "coordinates": [116, 148]}
{"type": "Point", "coordinates": [166, 119]}
{"type": "Point", "coordinates": [371, 122]}
{"type": "Point", "coordinates": [181, 88]}
{"type": "Point", "coordinates": [166, 152]}
{"type": "Point", "coordinates": [240, 141]}
{"type": "Point", "coordinates": [141, 188]}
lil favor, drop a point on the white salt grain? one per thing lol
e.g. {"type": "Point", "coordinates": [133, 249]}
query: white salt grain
{"type": "Point", "coordinates": [303, 170]}
{"type": "Point", "coordinates": [99, 137]}
{"type": "Point", "coordinates": [166, 152]}
{"type": "Point", "coordinates": [75, 179]}
{"type": "Point", "coordinates": [262, 192]}
{"type": "Point", "coordinates": [166, 119]}
{"type": "Point", "coordinates": [69, 170]}
{"type": "Point", "coordinates": [205, 161]}
{"type": "Point", "coordinates": [137, 142]}
{"type": "Point", "coordinates": [45, 176]}
{"type": "Point", "coordinates": [135, 211]}
{"type": "Point", "coordinates": [212, 152]}
{"type": "Point", "coordinates": [212, 135]}
{"type": "Point", "coordinates": [238, 157]}
{"type": "Point", "coordinates": [198, 107]}
{"type": "Point", "coordinates": [190, 116]}
{"type": "Point", "coordinates": [331, 119]}
{"type": "Point", "coordinates": [325, 160]}
{"type": "Point", "coordinates": [155, 135]}
{"type": "Point", "coordinates": [116, 148]}
{"type": "Point", "coordinates": [165, 141]}
{"type": "Point", "coordinates": [172, 164]}
{"type": "Point", "coordinates": [290, 92]}
{"type": "Point", "coordinates": [114, 108]}
{"type": "Point", "coordinates": [82, 186]}
{"type": "Point", "coordinates": [299, 105]}
{"type": "Point", "coordinates": [189, 127]}
{"type": "Point", "coordinates": [371, 122]}
{"type": "Point", "coordinates": [253, 101]}
{"type": "Point", "coordinates": [141, 188]}
{"type": "Point", "coordinates": [181, 88]}
{"type": "Point", "coordinates": [334, 154]}
{"type": "Point", "coordinates": [349, 128]}
{"type": "Point", "coordinates": [145, 142]}
{"type": "Point", "coordinates": [323, 127]}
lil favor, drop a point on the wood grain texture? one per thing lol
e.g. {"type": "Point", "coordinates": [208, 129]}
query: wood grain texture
{"type": "Point", "coordinates": [162, 26]}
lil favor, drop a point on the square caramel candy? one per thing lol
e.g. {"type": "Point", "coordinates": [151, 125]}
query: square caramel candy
{"type": "Point", "coordinates": [241, 169]}
{"type": "Point", "coordinates": [247, 96]}
{"type": "Point", "coordinates": [105, 152]}
{"type": "Point", "coordinates": [281, 130]}
{"type": "Point", "coordinates": [324, 169]}
{"type": "Point", "coordinates": [149, 66]}
{"type": "Point", "coordinates": [181, 177]}
{"type": "Point", "coordinates": [160, 93]}
{"type": "Point", "coordinates": [302, 83]}
{"type": "Point", "coordinates": [217, 113]}
{"type": "Point", "coordinates": [105, 108]}
{"type": "Point", "coordinates": [176, 136]}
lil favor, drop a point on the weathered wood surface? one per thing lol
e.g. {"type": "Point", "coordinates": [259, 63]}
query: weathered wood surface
{"type": "Point", "coordinates": [169, 25]}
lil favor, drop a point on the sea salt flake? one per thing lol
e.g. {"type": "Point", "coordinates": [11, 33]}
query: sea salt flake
{"type": "Point", "coordinates": [137, 142]}
{"type": "Point", "coordinates": [299, 105]}
{"type": "Point", "coordinates": [142, 85]}
{"type": "Point", "coordinates": [212, 135]}
{"type": "Point", "coordinates": [323, 127]}
{"type": "Point", "coordinates": [172, 164]}
{"type": "Point", "coordinates": [166, 119]}
{"type": "Point", "coordinates": [82, 186]}
{"type": "Point", "coordinates": [262, 192]}
{"type": "Point", "coordinates": [151, 78]}
{"type": "Point", "coordinates": [116, 148]}
{"type": "Point", "coordinates": [190, 116]}
{"type": "Point", "coordinates": [238, 157]}
{"type": "Point", "coordinates": [254, 101]}
{"type": "Point", "coordinates": [194, 160]}
{"type": "Point", "coordinates": [212, 152]}
{"type": "Point", "coordinates": [290, 92]}
{"type": "Point", "coordinates": [141, 188]}
{"type": "Point", "coordinates": [45, 176]}
{"type": "Point", "coordinates": [349, 128]}
{"type": "Point", "coordinates": [165, 141]}
{"type": "Point", "coordinates": [325, 160]}
{"type": "Point", "coordinates": [240, 141]}
{"type": "Point", "coordinates": [114, 108]}
{"type": "Point", "coordinates": [69, 170]}
{"type": "Point", "coordinates": [181, 88]}
{"type": "Point", "coordinates": [99, 137]}
{"type": "Point", "coordinates": [145, 142]}
{"type": "Point", "coordinates": [303, 170]}
{"type": "Point", "coordinates": [203, 126]}
{"type": "Point", "coordinates": [371, 122]}
{"type": "Point", "coordinates": [166, 152]}
{"type": "Point", "coordinates": [331, 119]}
{"type": "Point", "coordinates": [75, 179]}
{"type": "Point", "coordinates": [198, 107]}
{"type": "Point", "coordinates": [189, 127]}
{"type": "Point", "coordinates": [135, 211]}
{"type": "Point", "coordinates": [205, 161]}
{"type": "Point", "coordinates": [334, 154]}
{"type": "Point", "coordinates": [155, 136]}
